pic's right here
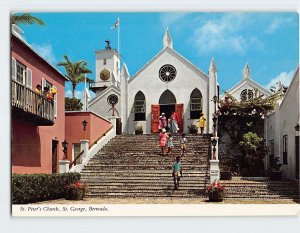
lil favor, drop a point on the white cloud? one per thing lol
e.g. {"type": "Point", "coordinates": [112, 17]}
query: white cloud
{"type": "Point", "coordinates": [277, 23]}
{"type": "Point", "coordinates": [170, 18]}
{"type": "Point", "coordinates": [224, 33]}
{"type": "Point", "coordinates": [285, 78]}
{"type": "Point", "coordinates": [92, 94]}
{"type": "Point", "coordinates": [78, 94]}
{"type": "Point", "coordinates": [46, 51]}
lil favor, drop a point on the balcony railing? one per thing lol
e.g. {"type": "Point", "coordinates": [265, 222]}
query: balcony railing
{"type": "Point", "coordinates": [31, 106]}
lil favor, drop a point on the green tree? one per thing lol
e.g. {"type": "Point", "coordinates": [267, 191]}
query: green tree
{"type": "Point", "coordinates": [75, 72]}
{"type": "Point", "coordinates": [254, 150]}
{"type": "Point", "coordinates": [25, 19]}
{"type": "Point", "coordinates": [73, 104]}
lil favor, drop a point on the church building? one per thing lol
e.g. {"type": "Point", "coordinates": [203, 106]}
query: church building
{"type": "Point", "coordinates": [167, 83]}
{"type": "Point", "coordinates": [247, 88]}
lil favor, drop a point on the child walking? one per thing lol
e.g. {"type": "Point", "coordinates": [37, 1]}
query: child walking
{"type": "Point", "coordinates": [170, 144]}
{"type": "Point", "coordinates": [182, 142]}
{"type": "Point", "coordinates": [177, 172]}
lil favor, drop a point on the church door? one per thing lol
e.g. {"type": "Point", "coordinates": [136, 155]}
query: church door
{"type": "Point", "coordinates": [179, 111]}
{"type": "Point", "coordinates": [155, 118]}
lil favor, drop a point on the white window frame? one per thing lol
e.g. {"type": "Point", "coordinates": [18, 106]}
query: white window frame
{"type": "Point", "coordinates": [14, 68]}
{"type": "Point", "coordinates": [24, 73]}
{"type": "Point", "coordinates": [139, 106]}
{"type": "Point", "coordinates": [55, 104]}
{"type": "Point", "coordinates": [73, 150]}
{"type": "Point", "coordinates": [29, 78]}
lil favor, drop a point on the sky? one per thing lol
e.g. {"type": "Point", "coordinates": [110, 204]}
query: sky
{"type": "Point", "coordinates": [268, 42]}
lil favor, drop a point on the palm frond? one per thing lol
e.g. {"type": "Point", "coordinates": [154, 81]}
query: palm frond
{"type": "Point", "coordinates": [26, 19]}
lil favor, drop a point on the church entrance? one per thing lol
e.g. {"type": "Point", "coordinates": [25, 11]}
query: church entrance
{"type": "Point", "coordinates": [167, 109]}
{"type": "Point", "coordinates": [167, 104]}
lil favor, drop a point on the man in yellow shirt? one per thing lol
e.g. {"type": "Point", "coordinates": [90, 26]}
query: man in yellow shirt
{"type": "Point", "coordinates": [202, 123]}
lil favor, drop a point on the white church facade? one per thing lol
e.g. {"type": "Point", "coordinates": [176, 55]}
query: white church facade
{"type": "Point", "coordinates": [167, 83]}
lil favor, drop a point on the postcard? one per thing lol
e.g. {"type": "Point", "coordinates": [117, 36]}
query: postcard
{"type": "Point", "coordinates": [154, 114]}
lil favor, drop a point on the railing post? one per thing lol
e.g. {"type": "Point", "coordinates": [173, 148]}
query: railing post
{"type": "Point", "coordinates": [84, 146]}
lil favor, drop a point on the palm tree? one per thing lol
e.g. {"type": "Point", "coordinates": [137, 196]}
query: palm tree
{"type": "Point", "coordinates": [25, 19]}
{"type": "Point", "coordinates": [75, 72]}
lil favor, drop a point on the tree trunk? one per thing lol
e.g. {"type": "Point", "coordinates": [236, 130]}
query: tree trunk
{"type": "Point", "coordinates": [73, 90]}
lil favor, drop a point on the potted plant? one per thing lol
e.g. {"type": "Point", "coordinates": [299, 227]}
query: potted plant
{"type": "Point", "coordinates": [76, 190]}
{"type": "Point", "coordinates": [193, 129]}
{"type": "Point", "coordinates": [215, 192]}
{"type": "Point", "coordinates": [139, 129]}
{"type": "Point", "coordinates": [275, 171]}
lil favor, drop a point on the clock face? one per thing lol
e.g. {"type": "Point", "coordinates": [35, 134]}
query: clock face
{"type": "Point", "coordinates": [104, 74]}
{"type": "Point", "coordinates": [112, 99]}
{"type": "Point", "coordinates": [167, 73]}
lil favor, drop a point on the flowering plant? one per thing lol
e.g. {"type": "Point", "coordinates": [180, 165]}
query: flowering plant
{"type": "Point", "coordinates": [77, 185]}
{"type": "Point", "coordinates": [215, 187]}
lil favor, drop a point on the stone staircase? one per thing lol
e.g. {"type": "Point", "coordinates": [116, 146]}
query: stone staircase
{"type": "Point", "coordinates": [264, 189]}
{"type": "Point", "coordinates": [132, 166]}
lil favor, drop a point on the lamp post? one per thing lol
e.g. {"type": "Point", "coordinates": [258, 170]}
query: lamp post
{"type": "Point", "coordinates": [214, 144]}
{"type": "Point", "coordinates": [65, 150]}
{"type": "Point", "coordinates": [84, 124]}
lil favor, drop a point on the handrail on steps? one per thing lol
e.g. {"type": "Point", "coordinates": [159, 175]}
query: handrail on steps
{"type": "Point", "coordinates": [95, 142]}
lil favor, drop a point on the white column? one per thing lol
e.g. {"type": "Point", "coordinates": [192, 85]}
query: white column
{"type": "Point", "coordinates": [113, 121]}
{"type": "Point", "coordinates": [84, 146]}
{"type": "Point", "coordinates": [64, 166]}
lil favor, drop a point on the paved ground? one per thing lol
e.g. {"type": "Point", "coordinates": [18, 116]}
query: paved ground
{"type": "Point", "coordinates": [164, 201]}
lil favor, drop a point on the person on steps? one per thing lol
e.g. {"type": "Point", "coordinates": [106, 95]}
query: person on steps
{"type": "Point", "coordinates": [202, 123]}
{"type": "Point", "coordinates": [170, 144]}
{"type": "Point", "coordinates": [163, 141]}
{"type": "Point", "coordinates": [182, 142]}
{"type": "Point", "coordinates": [177, 172]}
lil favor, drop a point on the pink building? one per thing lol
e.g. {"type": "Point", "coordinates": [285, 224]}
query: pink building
{"type": "Point", "coordinates": [38, 124]}
{"type": "Point", "coordinates": [95, 128]}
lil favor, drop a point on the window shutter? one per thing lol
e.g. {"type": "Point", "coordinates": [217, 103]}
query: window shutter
{"type": "Point", "coordinates": [13, 68]}
{"type": "Point", "coordinates": [44, 83]}
{"type": "Point", "coordinates": [29, 78]}
{"type": "Point", "coordinates": [55, 105]}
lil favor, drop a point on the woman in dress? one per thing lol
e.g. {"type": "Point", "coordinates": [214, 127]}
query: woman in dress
{"type": "Point", "coordinates": [163, 141]}
{"type": "Point", "coordinates": [173, 122]}
{"type": "Point", "coordinates": [164, 121]}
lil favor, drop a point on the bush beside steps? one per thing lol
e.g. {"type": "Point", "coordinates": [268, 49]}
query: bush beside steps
{"type": "Point", "coordinates": [30, 188]}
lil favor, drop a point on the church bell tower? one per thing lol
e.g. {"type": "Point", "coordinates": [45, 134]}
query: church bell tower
{"type": "Point", "coordinates": [107, 69]}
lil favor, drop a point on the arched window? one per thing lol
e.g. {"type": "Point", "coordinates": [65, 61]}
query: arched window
{"type": "Point", "coordinates": [139, 107]}
{"type": "Point", "coordinates": [246, 95]}
{"type": "Point", "coordinates": [167, 97]}
{"type": "Point", "coordinates": [195, 104]}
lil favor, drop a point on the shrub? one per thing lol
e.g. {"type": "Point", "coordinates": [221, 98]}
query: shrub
{"type": "Point", "coordinates": [254, 150]}
{"type": "Point", "coordinates": [139, 130]}
{"type": "Point", "coordinates": [193, 129]}
{"type": "Point", "coordinates": [30, 188]}
{"type": "Point", "coordinates": [73, 104]}
{"type": "Point", "coordinates": [225, 175]}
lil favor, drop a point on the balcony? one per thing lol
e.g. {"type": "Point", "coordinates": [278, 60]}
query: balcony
{"type": "Point", "coordinates": [30, 106]}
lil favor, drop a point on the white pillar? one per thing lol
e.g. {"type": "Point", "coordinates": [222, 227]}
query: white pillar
{"type": "Point", "coordinates": [214, 171]}
{"type": "Point", "coordinates": [113, 121]}
{"type": "Point", "coordinates": [84, 146]}
{"type": "Point", "coordinates": [64, 166]}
